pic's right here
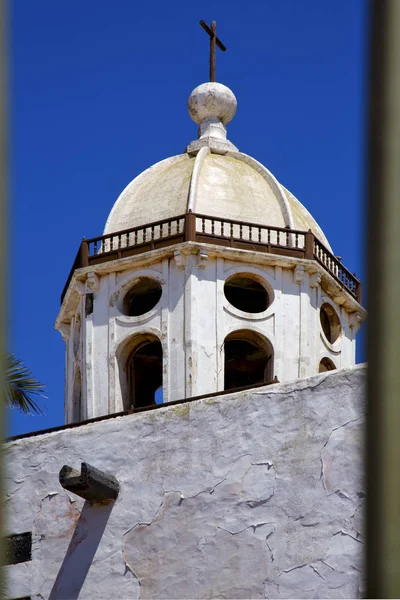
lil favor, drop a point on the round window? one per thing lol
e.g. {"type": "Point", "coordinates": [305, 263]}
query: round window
{"type": "Point", "coordinates": [246, 294]}
{"type": "Point", "coordinates": [142, 297]}
{"type": "Point", "coordinates": [330, 323]}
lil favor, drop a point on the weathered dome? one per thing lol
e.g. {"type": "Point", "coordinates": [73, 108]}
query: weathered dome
{"type": "Point", "coordinates": [212, 178]}
{"type": "Point", "coordinates": [232, 186]}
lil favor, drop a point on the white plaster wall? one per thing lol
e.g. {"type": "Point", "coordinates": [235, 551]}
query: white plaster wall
{"type": "Point", "coordinates": [192, 320]}
{"type": "Point", "coordinates": [289, 341]}
{"type": "Point", "coordinates": [176, 331]}
{"type": "Point", "coordinates": [257, 494]}
{"type": "Point", "coordinates": [203, 316]}
{"type": "Point", "coordinates": [96, 360]}
{"type": "Point", "coordinates": [74, 360]}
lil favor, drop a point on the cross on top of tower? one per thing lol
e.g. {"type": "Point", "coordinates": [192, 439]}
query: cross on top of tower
{"type": "Point", "coordinates": [214, 41]}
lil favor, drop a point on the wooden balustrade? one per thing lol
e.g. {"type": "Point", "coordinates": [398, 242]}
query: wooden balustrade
{"type": "Point", "coordinates": [193, 227]}
{"type": "Point", "coordinates": [335, 268]}
{"type": "Point", "coordinates": [248, 234]}
{"type": "Point", "coordinates": [135, 238]}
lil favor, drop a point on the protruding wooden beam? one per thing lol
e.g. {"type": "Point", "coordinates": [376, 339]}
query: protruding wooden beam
{"type": "Point", "coordinates": [91, 484]}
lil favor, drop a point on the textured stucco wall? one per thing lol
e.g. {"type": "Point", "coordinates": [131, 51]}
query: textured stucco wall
{"type": "Point", "coordinates": [257, 494]}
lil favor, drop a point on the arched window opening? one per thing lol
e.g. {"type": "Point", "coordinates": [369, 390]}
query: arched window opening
{"type": "Point", "coordinates": [248, 359]}
{"type": "Point", "coordinates": [142, 297]}
{"type": "Point", "coordinates": [144, 370]}
{"type": "Point", "coordinates": [246, 294]}
{"type": "Point", "coordinates": [77, 398]}
{"type": "Point", "coordinates": [330, 323]}
{"type": "Point", "coordinates": [326, 365]}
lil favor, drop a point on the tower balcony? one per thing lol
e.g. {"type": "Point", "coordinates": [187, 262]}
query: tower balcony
{"type": "Point", "coordinates": [191, 227]}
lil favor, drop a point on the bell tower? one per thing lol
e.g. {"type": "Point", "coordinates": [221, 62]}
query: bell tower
{"type": "Point", "coordinates": [209, 276]}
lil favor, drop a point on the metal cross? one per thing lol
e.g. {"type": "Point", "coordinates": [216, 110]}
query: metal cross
{"type": "Point", "coordinates": [214, 41]}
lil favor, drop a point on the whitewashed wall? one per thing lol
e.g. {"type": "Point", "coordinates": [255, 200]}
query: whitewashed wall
{"type": "Point", "coordinates": [257, 494]}
{"type": "Point", "coordinates": [192, 319]}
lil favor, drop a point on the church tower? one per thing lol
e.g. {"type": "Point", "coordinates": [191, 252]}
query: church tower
{"type": "Point", "coordinates": [210, 283]}
{"type": "Point", "coordinates": [209, 276]}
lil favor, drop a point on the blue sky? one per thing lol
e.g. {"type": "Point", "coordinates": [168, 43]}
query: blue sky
{"type": "Point", "coordinates": [97, 93]}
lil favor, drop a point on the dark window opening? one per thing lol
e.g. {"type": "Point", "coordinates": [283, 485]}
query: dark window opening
{"type": "Point", "coordinates": [330, 323]}
{"type": "Point", "coordinates": [246, 294]}
{"type": "Point", "coordinates": [142, 297]}
{"type": "Point", "coordinates": [325, 324]}
{"type": "Point", "coordinates": [145, 375]}
{"type": "Point", "coordinates": [18, 548]}
{"type": "Point", "coordinates": [326, 365]}
{"type": "Point", "coordinates": [247, 361]}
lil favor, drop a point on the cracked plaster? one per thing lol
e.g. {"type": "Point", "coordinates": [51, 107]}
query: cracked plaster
{"type": "Point", "coordinates": [257, 494]}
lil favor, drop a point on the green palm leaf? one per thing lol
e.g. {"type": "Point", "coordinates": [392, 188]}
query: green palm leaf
{"type": "Point", "coordinates": [20, 386]}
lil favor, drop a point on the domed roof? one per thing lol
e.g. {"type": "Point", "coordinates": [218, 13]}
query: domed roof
{"type": "Point", "coordinates": [211, 178]}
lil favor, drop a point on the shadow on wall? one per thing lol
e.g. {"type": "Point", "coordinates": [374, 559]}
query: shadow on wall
{"type": "Point", "coordinates": [81, 551]}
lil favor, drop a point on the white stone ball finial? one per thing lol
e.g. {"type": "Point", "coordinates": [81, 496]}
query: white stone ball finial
{"type": "Point", "coordinates": [212, 100]}
{"type": "Point", "coordinates": [212, 105]}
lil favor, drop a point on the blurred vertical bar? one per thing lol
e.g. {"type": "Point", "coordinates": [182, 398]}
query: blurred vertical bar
{"type": "Point", "coordinates": [3, 246]}
{"type": "Point", "coordinates": [383, 241]}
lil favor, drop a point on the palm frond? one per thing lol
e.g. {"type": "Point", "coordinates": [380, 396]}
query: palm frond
{"type": "Point", "coordinates": [20, 386]}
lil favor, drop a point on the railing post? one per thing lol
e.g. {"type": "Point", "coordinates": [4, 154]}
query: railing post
{"type": "Point", "coordinates": [190, 227]}
{"type": "Point", "coordinates": [287, 236]}
{"type": "Point", "coordinates": [309, 244]}
{"type": "Point", "coordinates": [84, 253]}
